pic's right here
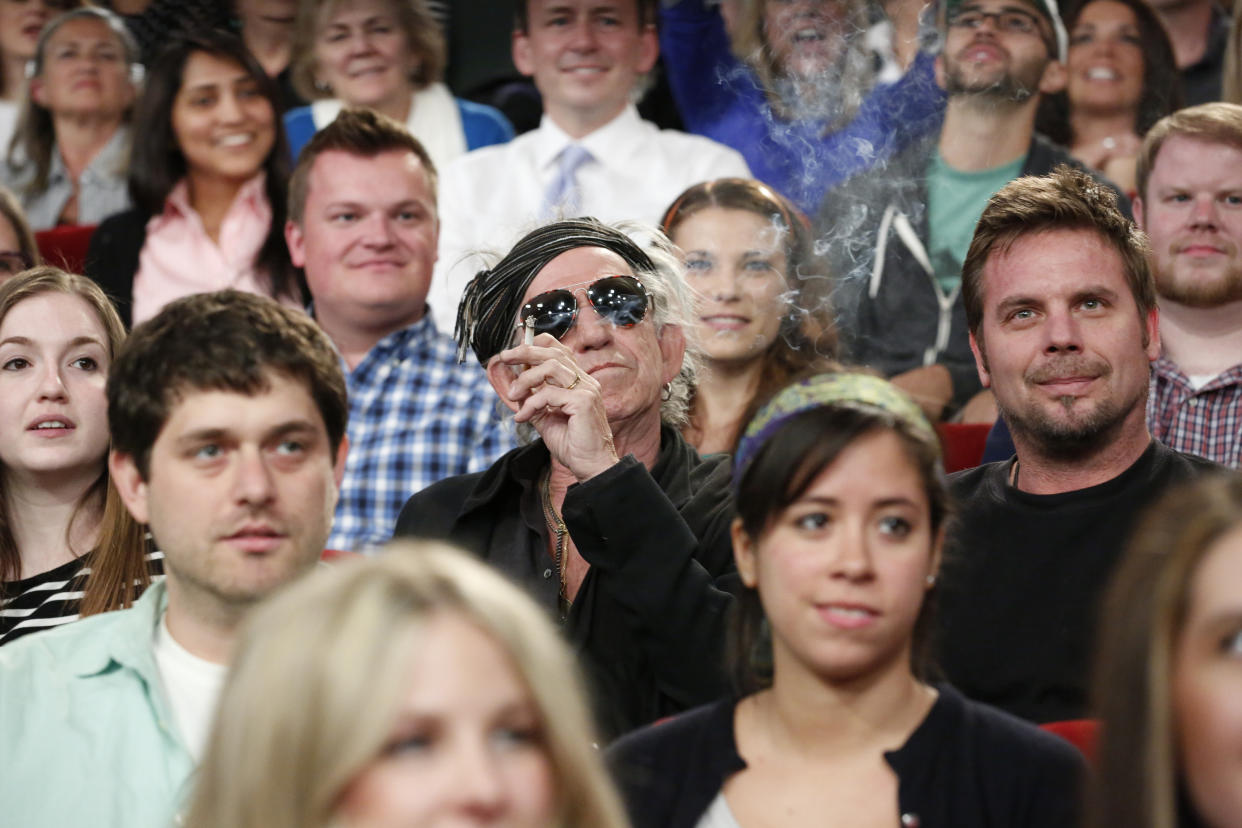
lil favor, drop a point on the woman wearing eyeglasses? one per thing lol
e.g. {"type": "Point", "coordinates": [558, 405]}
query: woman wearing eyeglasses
{"type": "Point", "coordinates": [17, 244]}
{"type": "Point", "coordinates": [841, 511]}
{"type": "Point", "coordinates": [610, 519]}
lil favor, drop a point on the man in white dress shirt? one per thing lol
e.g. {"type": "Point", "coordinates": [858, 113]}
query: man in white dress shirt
{"type": "Point", "coordinates": [591, 155]}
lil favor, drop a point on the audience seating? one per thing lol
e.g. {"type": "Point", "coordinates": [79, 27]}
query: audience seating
{"type": "Point", "coordinates": [962, 444]}
{"type": "Point", "coordinates": [1081, 733]}
{"type": "Point", "coordinates": [65, 247]}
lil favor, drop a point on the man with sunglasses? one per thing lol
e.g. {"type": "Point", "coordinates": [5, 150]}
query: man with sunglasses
{"type": "Point", "coordinates": [362, 225]}
{"type": "Point", "coordinates": [610, 519]}
{"type": "Point", "coordinates": [902, 232]}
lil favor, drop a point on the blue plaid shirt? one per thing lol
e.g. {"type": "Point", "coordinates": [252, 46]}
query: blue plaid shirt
{"type": "Point", "coordinates": [415, 416]}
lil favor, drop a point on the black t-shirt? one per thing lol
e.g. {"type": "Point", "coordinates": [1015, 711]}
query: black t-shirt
{"type": "Point", "coordinates": [1023, 576]}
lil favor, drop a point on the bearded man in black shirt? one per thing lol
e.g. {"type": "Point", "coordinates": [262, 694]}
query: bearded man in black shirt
{"type": "Point", "coordinates": [1063, 323]}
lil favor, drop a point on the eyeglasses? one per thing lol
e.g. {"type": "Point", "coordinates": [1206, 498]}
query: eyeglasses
{"type": "Point", "coordinates": [13, 262]}
{"type": "Point", "coordinates": [621, 300]}
{"type": "Point", "coordinates": [1010, 21]}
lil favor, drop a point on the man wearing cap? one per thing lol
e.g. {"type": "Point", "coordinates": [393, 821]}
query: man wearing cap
{"type": "Point", "coordinates": [609, 519]}
{"type": "Point", "coordinates": [901, 233]}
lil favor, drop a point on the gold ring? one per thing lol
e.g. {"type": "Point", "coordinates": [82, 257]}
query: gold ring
{"type": "Point", "coordinates": [577, 377]}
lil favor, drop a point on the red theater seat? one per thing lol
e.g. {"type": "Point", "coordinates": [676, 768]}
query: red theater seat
{"type": "Point", "coordinates": [1081, 733]}
{"type": "Point", "coordinates": [962, 444]}
{"type": "Point", "coordinates": [65, 247]}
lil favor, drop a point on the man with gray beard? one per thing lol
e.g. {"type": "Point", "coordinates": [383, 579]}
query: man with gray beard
{"type": "Point", "coordinates": [898, 235]}
{"type": "Point", "coordinates": [1190, 204]}
{"type": "Point", "coordinates": [1063, 321]}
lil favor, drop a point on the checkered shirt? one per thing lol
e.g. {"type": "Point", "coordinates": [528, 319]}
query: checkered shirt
{"type": "Point", "coordinates": [415, 416]}
{"type": "Point", "coordinates": [1207, 422]}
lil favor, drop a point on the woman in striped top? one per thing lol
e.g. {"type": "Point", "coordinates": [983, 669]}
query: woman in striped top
{"type": "Point", "coordinates": [68, 547]}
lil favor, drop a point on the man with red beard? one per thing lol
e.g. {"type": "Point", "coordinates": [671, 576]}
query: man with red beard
{"type": "Point", "coordinates": [1063, 325]}
{"type": "Point", "coordinates": [899, 234]}
{"type": "Point", "coordinates": [1190, 204]}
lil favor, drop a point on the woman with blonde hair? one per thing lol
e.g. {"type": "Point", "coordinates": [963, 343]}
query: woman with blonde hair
{"type": "Point", "coordinates": [1168, 686]}
{"type": "Point", "coordinates": [68, 546]}
{"type": "Point", "coordinates": [70, 152]}
{"type": "Point", "coordinates": [386, 55]}
{"type": "Point", "coordinates": [400, 690]}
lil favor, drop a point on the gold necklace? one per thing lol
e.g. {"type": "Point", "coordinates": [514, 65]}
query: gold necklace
{"type": "Point", "coordinates": [557, 526]}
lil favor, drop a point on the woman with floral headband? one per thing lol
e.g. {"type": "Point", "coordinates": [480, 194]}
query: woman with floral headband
{"type": "Point", "coordinates": [841, 510]}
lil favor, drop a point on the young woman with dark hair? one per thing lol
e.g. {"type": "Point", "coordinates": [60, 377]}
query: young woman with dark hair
{"type": "Point", "coordinates": [1122, 79]}
{"type": "Point", "coordinates": [208, 182]}
{"type": "Point", "coordinates": [841, 511]}
{"type": "Point", "coordinates": [68, 546]}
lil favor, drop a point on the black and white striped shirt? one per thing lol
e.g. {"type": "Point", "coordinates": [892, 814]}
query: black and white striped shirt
{"type": "Point", "coordinates": [52, 598]}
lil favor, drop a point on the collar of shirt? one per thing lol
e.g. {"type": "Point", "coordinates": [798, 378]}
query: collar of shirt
{"type": "Point", "coordinates": [1168, 370]}
{"type": "Point", "coordinates": [413, 339]}
{"type": "Point", "coordinates": [612, 144]}
{"type": "Point", "coordinates": [130, 642]}
{"type": "Point", "coordinates": [106, 164]}
{"type": "Point", "coordinates": [251, 201]}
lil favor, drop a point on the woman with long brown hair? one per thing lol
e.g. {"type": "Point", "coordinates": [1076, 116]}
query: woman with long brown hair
{"type": "Point", "coordinates": [68, 547]}
{"type": "Point", "coordinates": [760, 318]}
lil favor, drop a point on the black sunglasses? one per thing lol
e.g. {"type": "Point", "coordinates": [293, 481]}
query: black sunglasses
{"type": "Point", "coordinates": [621, 300]}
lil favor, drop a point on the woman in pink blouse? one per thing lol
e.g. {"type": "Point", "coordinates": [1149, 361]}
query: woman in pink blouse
{"type": "Point", "coordinates": [207, 178]}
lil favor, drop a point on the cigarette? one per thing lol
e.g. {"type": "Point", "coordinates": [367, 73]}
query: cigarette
{"type": "Point", "coordinates": [529, 337]}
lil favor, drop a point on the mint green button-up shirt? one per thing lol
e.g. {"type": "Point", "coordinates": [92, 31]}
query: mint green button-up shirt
{"type": "Point", "coordinates": [87, 736]}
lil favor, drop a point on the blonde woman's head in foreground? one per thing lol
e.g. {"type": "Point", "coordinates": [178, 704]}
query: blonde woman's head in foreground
{"type": "Point", "coordinates": [404, 690]}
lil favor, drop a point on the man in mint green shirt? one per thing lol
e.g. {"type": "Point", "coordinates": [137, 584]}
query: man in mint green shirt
{"type": "Point", "coordinates": [227, 413]}
{"type": "Point", "coordinates": [898, 235]}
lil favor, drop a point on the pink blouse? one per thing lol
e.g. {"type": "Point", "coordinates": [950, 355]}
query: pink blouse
{"type": "Point", "coordinates": [179, 258]}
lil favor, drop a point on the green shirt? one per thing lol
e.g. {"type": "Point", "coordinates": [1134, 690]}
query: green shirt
{"type": "Point", "coordinates": [87, 736]}
{"type": "Point", "coordinates": [955, 201]}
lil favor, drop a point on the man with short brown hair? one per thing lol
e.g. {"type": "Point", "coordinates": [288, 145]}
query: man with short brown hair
{"type": "Point", "coordinates": [1063, 326]}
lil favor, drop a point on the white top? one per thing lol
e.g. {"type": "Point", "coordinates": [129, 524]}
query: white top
{"type": "Point", "coordinates": [489, 198]}
{"type": "Point", "coordinates": [8, 124]}
{"type": "Point", "coordinates": [435, 120]}
{"type": "Point", "coordinates": [718, 815]}
{"type": "Point", "coordinates": [192, 685]}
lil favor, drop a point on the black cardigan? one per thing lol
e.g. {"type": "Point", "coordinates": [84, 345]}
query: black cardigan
{"type": "Point", "coordinates": [965, 766]}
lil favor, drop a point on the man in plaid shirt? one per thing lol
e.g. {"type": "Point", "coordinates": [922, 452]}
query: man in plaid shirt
{"type": "Point", "coordinates": [1190, 204]}
{"type": "Point", "coordinates": [363, 225]}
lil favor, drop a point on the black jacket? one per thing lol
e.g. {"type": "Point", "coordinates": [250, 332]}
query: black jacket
{"type": "Point", "coordinates": [965, 766]}
{"type": "Point", "coordinates": [892, 312]}
{"type": "Point", "coordinates": [649, 617]}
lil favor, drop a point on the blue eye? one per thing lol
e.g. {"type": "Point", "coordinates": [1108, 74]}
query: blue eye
{"type": "Point", "coordinates": [812, 521]}
{"type": "Point", "coordinates": [895, 526]}
{"type": "Point", "coordinates": [208, 452]}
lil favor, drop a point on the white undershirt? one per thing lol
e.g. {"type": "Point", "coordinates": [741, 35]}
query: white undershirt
{"type": "Point", "coordinates": [192, 685]}
{"type": "Point", "coordinates": [1197, 381]}
{"type": "Point", "coordinates": [718, 815]}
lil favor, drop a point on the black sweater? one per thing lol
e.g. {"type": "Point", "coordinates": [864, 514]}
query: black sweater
{"type": "Point", "coordinates": [1023, 576]}
{"type": "Point", "coordinates": [965, 766]}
